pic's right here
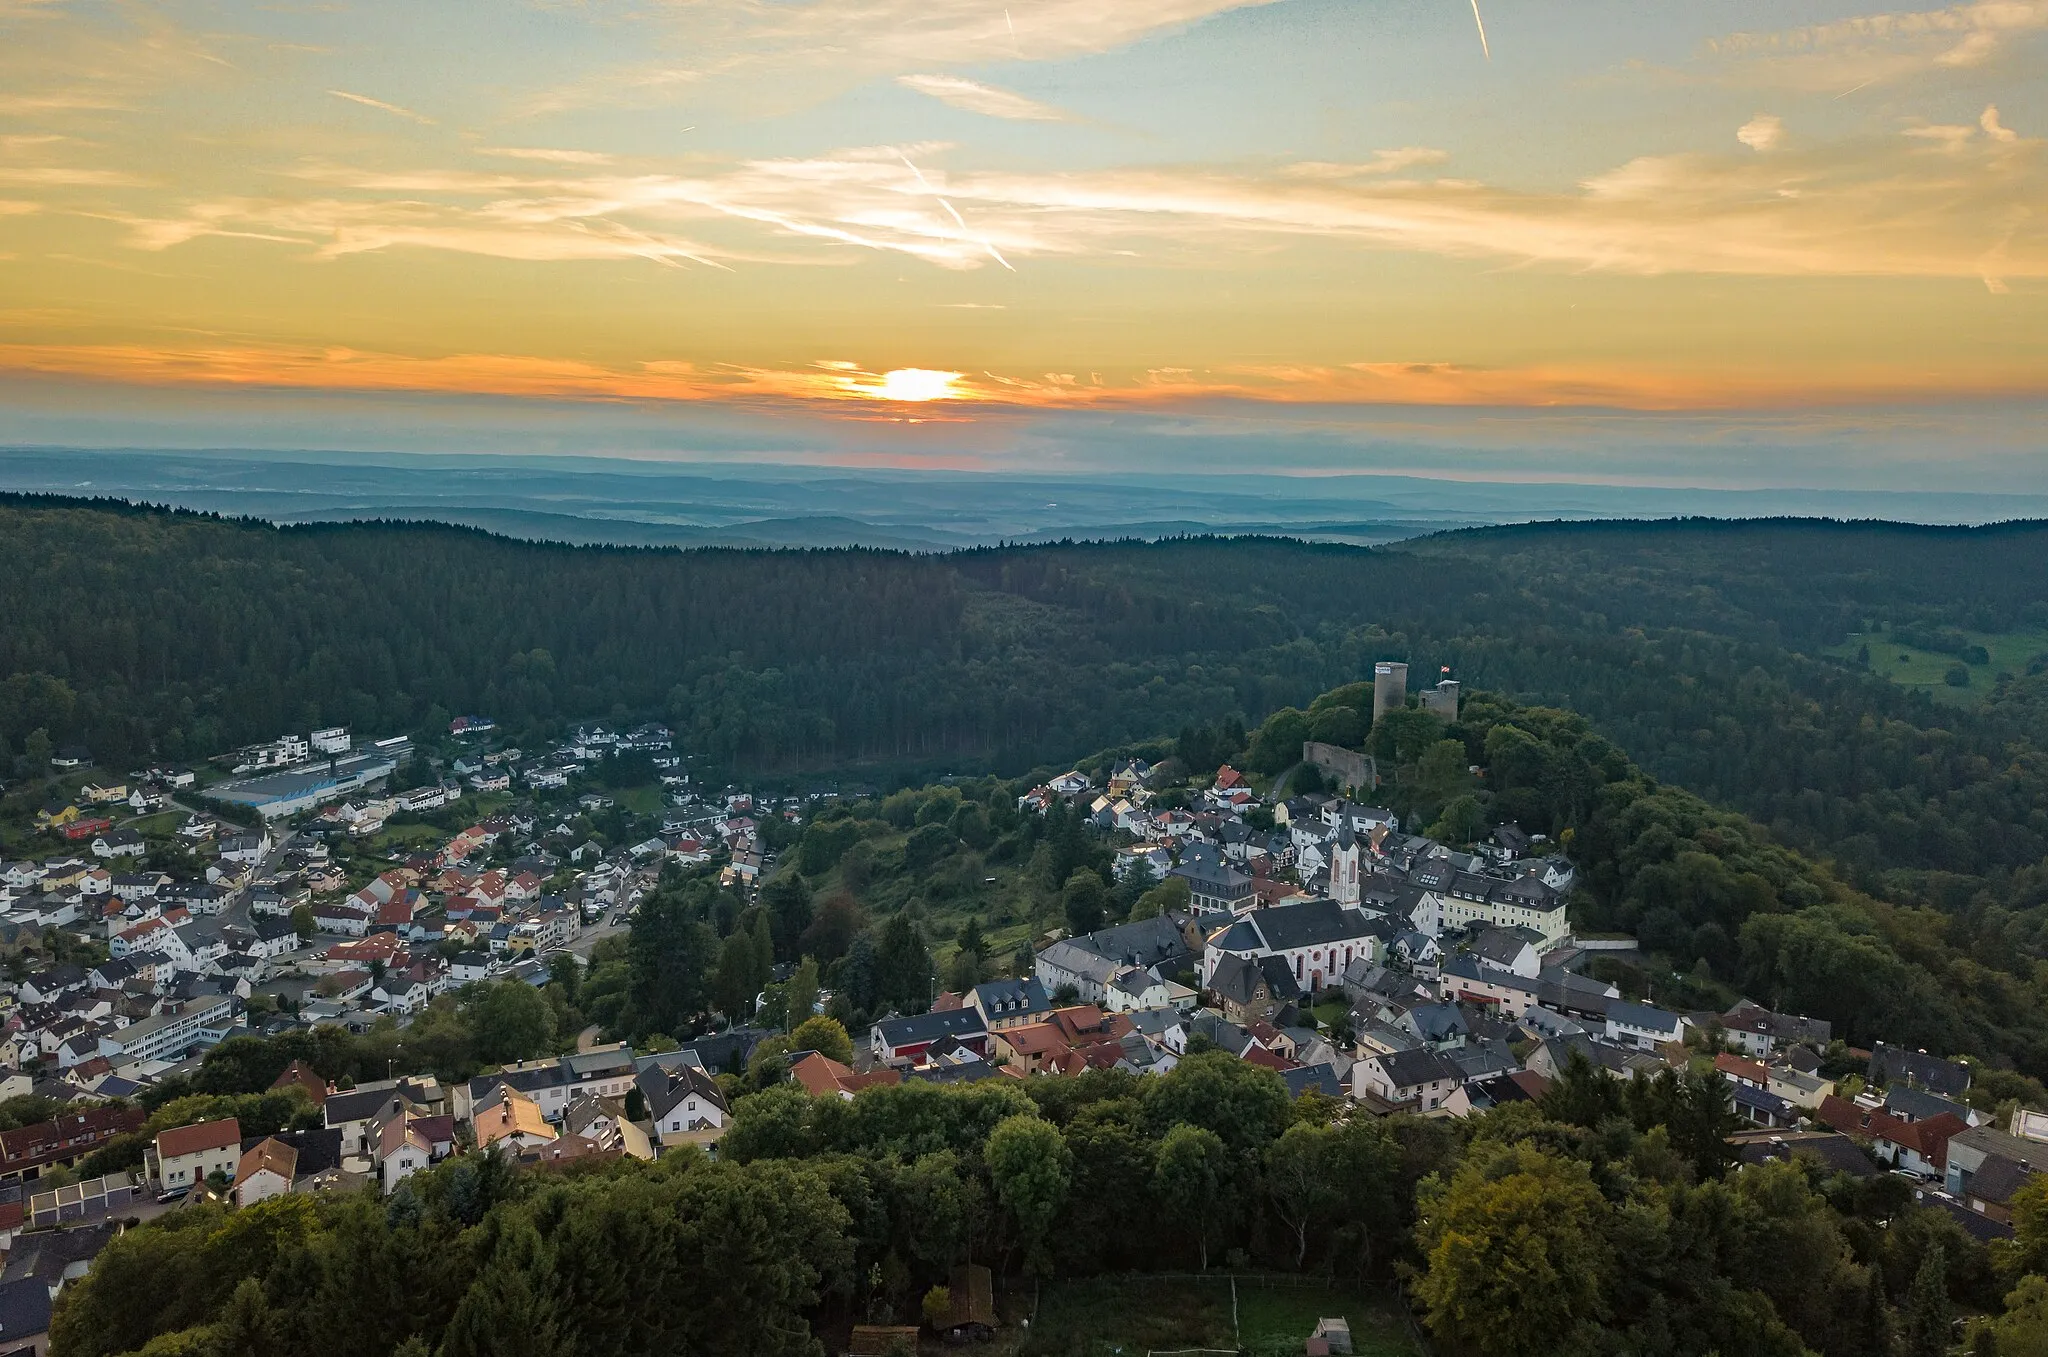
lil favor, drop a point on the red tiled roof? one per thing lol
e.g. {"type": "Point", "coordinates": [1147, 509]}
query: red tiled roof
{"type": "Point", "coordinates": [1928, 1137]}
{"type": "Point", "coordinates": [301, 1074]}
{"type": "Point", "coordinates": [1752, 1070]}
{"type": "Point", "coordinates": [1259, 1055]}
{"type": "Point", "coordinates": [71, 1134]}
{"type": "Point", "coordinates": [820, 1075]}
{"type": "Point", "coordinates": [207, 1135]}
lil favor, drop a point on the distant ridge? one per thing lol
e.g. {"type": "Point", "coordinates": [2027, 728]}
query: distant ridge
{"type": "Point", "coordinates": [621, 502]}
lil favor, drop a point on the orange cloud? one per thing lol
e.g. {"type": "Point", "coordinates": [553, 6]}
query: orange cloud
{"type": "Point", "coordinates": [846, 385]}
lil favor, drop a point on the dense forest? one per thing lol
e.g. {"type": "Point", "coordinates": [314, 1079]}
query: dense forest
{"type": "Point", "coordinates": [1694, 646]}
{"type": "Point", "coordinates": [1604, 1220]}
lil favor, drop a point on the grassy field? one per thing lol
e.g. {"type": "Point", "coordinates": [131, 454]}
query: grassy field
{"type": "Point", "coordinates": [964, 885]}
{"type": "Point", "coordinates": [1133, 1316]}
{"type": "Point", "coordinates": [1924, 669]}
{"type": "Point", "coordinates": [402, 839]}
{"type": "Point", "coordinates": [640, 800]}
{"type": "Point", "coordinates": [162, 825]}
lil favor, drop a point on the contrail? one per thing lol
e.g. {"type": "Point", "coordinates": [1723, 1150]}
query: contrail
{"type": "Point", "coordinates": [1853, 88]}
{"type": "Point", "coordinates": [1482, 30]}
{"type": "Point", "coordinates": [368, 102]}
{"type": "Point", "coordinates": [958, 220]}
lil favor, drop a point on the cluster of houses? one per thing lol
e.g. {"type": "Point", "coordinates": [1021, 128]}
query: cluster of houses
{"type": "Point", "coordinates": [1447, 982]}
{"type": "Point", "coordinates": [606, 1102]}
{"type": "Point", "coordinates": [498, 770]}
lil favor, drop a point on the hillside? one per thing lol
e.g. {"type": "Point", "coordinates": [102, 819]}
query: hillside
{"type": "Point", "coordinates": [1722, 656]}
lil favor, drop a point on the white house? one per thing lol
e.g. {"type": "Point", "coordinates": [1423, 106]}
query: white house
{"type": "Point", "coordinates": [1641, 1026]}
{"type": "Point", "coordinates": [1421, 1077]}
{"type": "Point", "coordinates": [248, 849]}
{"type": "Point", "coordinates": [265, 1170]}
{"type": "Point", "coordinates": [681, 1101]}
{"type": "Point", "coordinates": [402, 1150]}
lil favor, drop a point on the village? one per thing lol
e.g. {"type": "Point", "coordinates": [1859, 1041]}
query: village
{"type": "Point", "coordinates": [1305, 932]}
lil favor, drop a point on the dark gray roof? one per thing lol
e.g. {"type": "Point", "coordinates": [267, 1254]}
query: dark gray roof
{"type": "Point", "coordinates": [1408, 1069]}
{"type": "Point", "coordinates": [1837, 1152]}
{"type": "Point", "coordinates": [1219, 1031]}
{"type": "Point", "coordinates": [1309, 924]}
{"type": "Point", "coordinates": [1433, 874]}
{"type": "Point", "coordinates": [1528, 892]}
{"type": "Point", "coordinates": [1912, 1104]}
{"type": "Point", "coordinates": [1318, 1078]}
{"type": "Point", "coordinates": [925, 1027]}
{"type": "Point", "coordinates": [360, 1104]}
{"type": "Point", "coordinates": [1760, 1099]}
{"type": "Point", "coordinates": [1239, 937]}
{"type": "Point", "coordinates": [1978, 1226]}
{"type": "Point", "coordinates": [1494, 1090]}
{"type": "Point", "coordinates": [1437, 1022]}
{"type": "Point", "coordinates": [24, 1309]}
{"type": "Point", "coordinates": [1890, 1063]}
{"type": "Point", "coordinates": [1997, 1178]}
{"type": "Point", "coordinates": [1208, 878]}
{"type": "Point", "coordinates": [585, 1064]}
{"type": "Point", "coordinates": [1466, 968]}
{"type": "Point", "coordinates": [1146, 942]}
{"type": "Point", "coordinates": [727, 1050]}
{"type": "Point", "coordinates": [43, 1257]}
{"type": "Point", "coordinates": [1641, 1016]}
{"type": "Point", "coordinates": [1502, 945]}
{"type": "Point", "coordinates": [1012, 998]}
{"type": "Point", "coordinates": [1236, 978]}
{"type": "Point", "coordinates": [664, 1088]}
{"type": "Point", "coordinates": [1484, 1059]}
{"type": "Point", "coordinates": [318, 1150]}
{"type": "Point", "coordinates": [965, 1072]}
{"type": "Point", "coordinates": [1572, 993]}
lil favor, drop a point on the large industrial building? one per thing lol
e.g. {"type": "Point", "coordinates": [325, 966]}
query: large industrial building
{"type": "Point", "coordinates": [273, 795]}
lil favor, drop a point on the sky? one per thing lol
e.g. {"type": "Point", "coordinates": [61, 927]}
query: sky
{"type": "Point", "coordinates": [1725, 243]}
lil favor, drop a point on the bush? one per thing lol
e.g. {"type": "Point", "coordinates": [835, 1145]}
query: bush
{"type": "Point", "coordinates": [1958, 676]}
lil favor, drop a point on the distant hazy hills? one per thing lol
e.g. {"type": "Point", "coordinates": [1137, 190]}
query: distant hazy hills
{"type": "Point", "coordinates": [632, 503]}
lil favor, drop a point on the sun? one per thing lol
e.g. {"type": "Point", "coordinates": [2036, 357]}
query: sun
{"type": "Point", "coordinates": [915, 384]}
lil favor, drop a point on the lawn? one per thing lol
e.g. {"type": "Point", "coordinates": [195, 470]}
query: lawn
{"type": "Point", "coordinates": [1924, 669]}
{"type": "Point", "coordinates": [1135, 1315]}
{"type": "Point", "coordinates": [396, 839]}
{"type": "Point", "coordinates": [162, 825]}
{"type": "Point", "coordinates": [639, 800]}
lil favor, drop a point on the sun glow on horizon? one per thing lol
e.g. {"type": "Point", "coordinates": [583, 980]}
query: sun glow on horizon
{"type": "Point", "coordinates": [915, 384]}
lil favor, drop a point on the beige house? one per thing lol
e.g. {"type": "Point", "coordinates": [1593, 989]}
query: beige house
{"type": "Point", "coordinates": [186, 1155]}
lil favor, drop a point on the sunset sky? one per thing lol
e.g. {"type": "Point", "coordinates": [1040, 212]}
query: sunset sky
{"type": "Point", "coordinates": [1785, 243]}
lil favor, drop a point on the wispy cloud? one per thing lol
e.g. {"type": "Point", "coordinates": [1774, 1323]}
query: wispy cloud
{"type": "Point", "coordinates": [63, 176]}
{"type": "Point", "coordinates": [547, 154]}
{"type": "Point", "coordinates": [754, 50]}
{"type": "Point", "coordinates": [368, 102]}
{"type": "Point", "coordinates": [1870, 48]}
{"type": "Point", "coordinates": [986, 100]}
{"type": "Point", "coordinates": [1382, 162]}
{"type": "Point", "coordinates": [1869, 208]}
